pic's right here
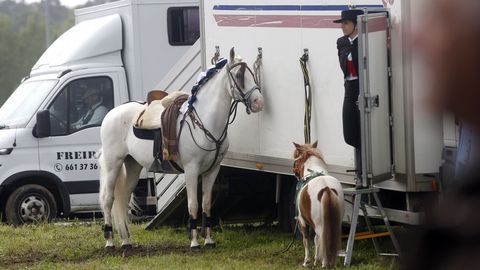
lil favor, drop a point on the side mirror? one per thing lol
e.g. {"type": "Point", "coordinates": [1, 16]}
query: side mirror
{"type": "Point", "coordinates": [42, 128]}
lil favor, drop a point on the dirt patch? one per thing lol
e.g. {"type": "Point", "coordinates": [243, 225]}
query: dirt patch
{"type": "Point", "coordinates": [32, 257]}
{"type": "Point", "coordinates": [148, 250]}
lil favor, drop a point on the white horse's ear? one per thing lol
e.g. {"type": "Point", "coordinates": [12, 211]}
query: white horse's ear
{"type": "Point", "coordinates": [315, 144]}
{"type": "Point", "coordinates": [296, 145]}
{"type": "Point", "coordinates": [232, 55]}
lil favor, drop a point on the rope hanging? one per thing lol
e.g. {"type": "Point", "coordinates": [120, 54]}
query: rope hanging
{"type": "Point", "coordinates": [308, 96]}
{"type": "Point", "coordinates": [257, 67]}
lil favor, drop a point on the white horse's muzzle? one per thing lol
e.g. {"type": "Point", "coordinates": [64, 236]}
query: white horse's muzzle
{"type": "Point", "coordinates": [256, 101]}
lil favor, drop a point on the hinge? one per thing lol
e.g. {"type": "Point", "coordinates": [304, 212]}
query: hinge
{"type": "Point", "coordinates": [364, 62]}
{"type": "Point", "coordinates": [389, 71]}
{"type": "Point", "coordinates": [367, 108]}
{"type": "Point", "coordinates": [393, 169]}
{"type": "Point", "coordinates": [390, 118]}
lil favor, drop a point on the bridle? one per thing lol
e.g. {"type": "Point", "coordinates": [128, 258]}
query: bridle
{"type": "Point", "coordinates": [196, 121]}
{"type": "Point", "coordinates": [235, 87]}
{"type": "Point", "coordinates": [299, 165]}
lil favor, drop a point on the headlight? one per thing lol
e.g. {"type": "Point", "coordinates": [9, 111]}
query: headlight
{"type": "Point", "coordinates": [5, 151]}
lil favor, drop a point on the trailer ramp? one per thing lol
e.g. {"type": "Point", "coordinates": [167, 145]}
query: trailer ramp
{"type": "Point", "coordinates": [171, 192]}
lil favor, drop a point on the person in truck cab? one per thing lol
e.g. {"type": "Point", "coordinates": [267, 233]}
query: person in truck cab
{"type": "Point", "coordinates": [96, 110]}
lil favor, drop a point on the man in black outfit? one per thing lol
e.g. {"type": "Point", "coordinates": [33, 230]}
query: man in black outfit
{"type": "Point", "coordinates": [347, 47]}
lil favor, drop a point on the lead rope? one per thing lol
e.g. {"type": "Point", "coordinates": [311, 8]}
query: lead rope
{"type": "Point", "coordinates": [306, 121]}
{"type": "Point", "coordinates": [289, 244]}
{"type": "Point", "coordinates": [308, 96]}
{"type": "Point", "coordinates": [257, 68]}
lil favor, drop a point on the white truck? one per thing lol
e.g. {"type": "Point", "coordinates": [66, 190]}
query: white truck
{"type": "Point", "coordinates": [118, 52]}
{"type": "Point", "coordinates": [402, 140]}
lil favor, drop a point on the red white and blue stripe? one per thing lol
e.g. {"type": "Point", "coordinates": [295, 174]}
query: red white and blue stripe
{"type": "Point", "coordinates": [280, 16]}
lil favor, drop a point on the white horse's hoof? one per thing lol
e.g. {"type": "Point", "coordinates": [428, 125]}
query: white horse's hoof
{"type": "Point", "coordinates": [195, 248]}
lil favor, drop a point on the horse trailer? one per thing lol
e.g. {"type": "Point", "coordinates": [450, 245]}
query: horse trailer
{"type": "Point", "coordinates": [402, 140]}
{"type": "Point", "coordinates": [128, 47]}
{"type": "Point", "coordinates": [48, 166]}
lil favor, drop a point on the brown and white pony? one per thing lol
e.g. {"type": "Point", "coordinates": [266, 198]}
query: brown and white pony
{"type": "Point", "coordinates": [319, 203]}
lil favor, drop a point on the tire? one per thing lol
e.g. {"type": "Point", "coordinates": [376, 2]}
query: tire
{"type": "Point", "coordinates": [30, 204]}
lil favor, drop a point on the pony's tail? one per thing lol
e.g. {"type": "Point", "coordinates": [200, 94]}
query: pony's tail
{"type": "Point", "coordinates": [331, 232]}
{"type": "Point", "coordinates": [120, 204]}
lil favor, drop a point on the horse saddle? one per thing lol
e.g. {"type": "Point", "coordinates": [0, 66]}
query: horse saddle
{"type": "Point", "coordinates": [157, 101]}
{"type": "Point", "coordinates": [147, 125]}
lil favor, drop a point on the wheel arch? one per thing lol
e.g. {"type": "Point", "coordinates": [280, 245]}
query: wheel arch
{"type": "Point", "coordinates": [42, 178]}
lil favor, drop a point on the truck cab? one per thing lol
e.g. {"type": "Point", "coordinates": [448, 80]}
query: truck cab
{"type": "Point", "coordinates": [50, 125]}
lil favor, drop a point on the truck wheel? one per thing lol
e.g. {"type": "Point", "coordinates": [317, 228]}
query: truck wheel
{"type": "Point", "coordinates": [30, 203]}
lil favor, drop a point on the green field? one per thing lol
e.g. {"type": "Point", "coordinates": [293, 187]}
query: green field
{"type": "Point", "coordinates": [76, 245]}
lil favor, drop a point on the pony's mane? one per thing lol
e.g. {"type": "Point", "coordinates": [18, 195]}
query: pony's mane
{"type": "Point", "coordinates": [301, 154]}
{"type": "Point", "coordinates": [307, 150]}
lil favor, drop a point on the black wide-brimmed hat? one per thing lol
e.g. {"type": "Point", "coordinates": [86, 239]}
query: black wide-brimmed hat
{"type": "Point", "coordinates": [349, 15]}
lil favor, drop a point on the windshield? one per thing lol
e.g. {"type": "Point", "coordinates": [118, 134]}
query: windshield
{"type": "Point", "coordinates": [24, 102]}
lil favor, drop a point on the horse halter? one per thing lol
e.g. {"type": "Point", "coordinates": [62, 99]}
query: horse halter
{"type": "Point", "coordinates": [298, 166]}
{"type": "Point", "coordinates": [235, 87]}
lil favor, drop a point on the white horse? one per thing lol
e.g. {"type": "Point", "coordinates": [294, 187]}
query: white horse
{"type": "Point", "coordinates": [201, 149]}
{"type": "Point", "coordinates": [319, 204]}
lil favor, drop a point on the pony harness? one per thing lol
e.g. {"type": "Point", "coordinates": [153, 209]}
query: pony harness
{"type": "Point", "coordinates": [302, 183]}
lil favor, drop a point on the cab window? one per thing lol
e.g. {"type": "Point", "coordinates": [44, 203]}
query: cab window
{"type": "Point", "coordinates": [82, 103]}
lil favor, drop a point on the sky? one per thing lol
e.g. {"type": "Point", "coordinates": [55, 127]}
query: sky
{"type": "Point", "coordinates": [67, 3]}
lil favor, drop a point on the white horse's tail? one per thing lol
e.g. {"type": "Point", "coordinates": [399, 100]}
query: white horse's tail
{"type": "Point", "coordinates": [331, 232]}
{"type": "Point", "coordinates": [120, 204]}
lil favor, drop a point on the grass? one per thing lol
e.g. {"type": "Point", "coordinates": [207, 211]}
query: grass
{"type": "Point", "coordinates": [80, 246]}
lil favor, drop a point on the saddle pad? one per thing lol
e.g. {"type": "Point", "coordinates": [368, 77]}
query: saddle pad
{"type": "Point", "coordinates": [150, 116]}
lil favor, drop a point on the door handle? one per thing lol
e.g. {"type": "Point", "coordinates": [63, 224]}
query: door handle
{"type": "Point", "coordinates": [375, 100]}
{"type": "Point", "coordinates": [371, 102]}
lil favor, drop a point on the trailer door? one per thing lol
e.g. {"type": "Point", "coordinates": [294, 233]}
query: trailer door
{"type": "Point", "coordinates": [374, 99]}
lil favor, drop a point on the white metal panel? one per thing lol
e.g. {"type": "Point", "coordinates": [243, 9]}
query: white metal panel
{"type": "Point", "coordinates": [24, 156]}
{"type": "Point", "coordinates": [157, 55]}
{"type": "Point", "coordinates": [85, 40]}
{"type": "Point", "coordinates": [397, 80]}
{"type": "Point", "coordinates": [374, 99]}
{"type": "Point", "coordinates": [281, 122]}
{"type": "Point", "coordinates": [147, 54]}
{"type": "Point", "coordinates": [182, 76]}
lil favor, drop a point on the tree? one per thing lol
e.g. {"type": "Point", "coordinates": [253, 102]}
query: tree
{"type": "Point", "coordinates": [22, 38]}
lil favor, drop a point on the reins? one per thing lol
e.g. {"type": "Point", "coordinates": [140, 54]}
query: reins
{"type": "Point", "coordinates": [195, 118]}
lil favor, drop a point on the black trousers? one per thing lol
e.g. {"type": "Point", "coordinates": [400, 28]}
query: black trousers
{"type": "Point", "coordinates": [351, 121]}
{"type": "Point", "coordinates": [351, 114]}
